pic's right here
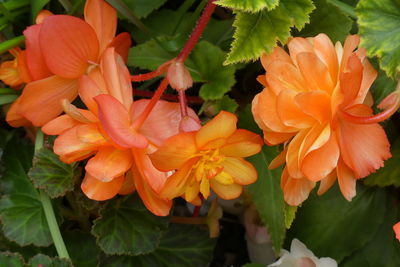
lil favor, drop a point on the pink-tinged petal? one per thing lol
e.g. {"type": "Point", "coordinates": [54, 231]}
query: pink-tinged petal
{"type": "Point", "coordinates": [278, 54]}
{"type": "Point", "coordinates": [396, 229]}
{"type": "Point", "coordinates": [295, 191]}
{"type": "Point", "coordinates": [14, 117]}
{"type": "Point", "coordinates": [175, 152]}
{"type": "Point", "coordinates": [325, 50]}
{"type": "Point", "coordinates": [327, 183]}
{"type": "Point", "coordinates": [128, 187]}
{"type": "Point", "coordinates": [68, 45]}
{"type": "Point", "coordinates": [221, 126]}
{"type": "Point", "coordinates": [103, 19]}
{"type": "Point", "coordinates": [321, 162]}
{"type": "Point", "coordinates": [241, 144]}
{"type": "Point", "coordinates": [350, 44]}
{"type": "Point", "coordinates": [41, 100]}
{"type": "Point", "coordinates": [163, 121]}
{"type": "Point", "coordinates": [152, 200]}
{"type": "Point", "coordinates": [226, 191]}
{"type": "Point", "coordinates": [109, 163]}
{"type": "Point", "coordinates": [122, 42]}
{"type": "Point", "coordinates": [363, 147]}
{"type": "Point", "coordinates": [347, 180]}
{"type": "Point", "coordinates": [117, 77]}
{"type": "Point", "coordinates": [34, 59]}
{"type": "Point", "coordinates": [350, 80]}
{"type": "Point", "coordinates": [315, 72]}
{"type": "Point", "coordinates": [289, 111]}
{"type": "Point", "coordinates": [58, 125]}
{"type": "Point", "coordinates": [70, 148]}
{"type": "Point", "coordinates": [153, 177]}
{"type": "Point", "coordinates": [116, 122]}
{"type": "Point", "coordinates": [315, 104]}
{"type": "Point", "coordinates": [98, 190]}
{"type": "Point", "coordinates": [243, 172]}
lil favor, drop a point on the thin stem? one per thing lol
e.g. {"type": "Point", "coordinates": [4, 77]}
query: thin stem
{"type": "Point", "coordinates": [194, 100]}
{"type": "Point", "coordinates": [157, 95]}
{"type": "Point", "coordinates": [198, 30]}
{"type": "Point", "coordinates": [49, 212]}
{"type": "Point", "coordinates": [182, 103]}
{"type": "Point", "coordinates": [145, 76]}
{"type": "Point", "coordinates": [7, 45]}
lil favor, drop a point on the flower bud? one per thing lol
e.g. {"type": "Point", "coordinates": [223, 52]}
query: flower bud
{"type": "Point", "coordinates": [178, 76]}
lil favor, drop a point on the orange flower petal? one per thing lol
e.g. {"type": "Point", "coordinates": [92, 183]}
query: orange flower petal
{"type": "Point", "coordinates": [34, 58]}
{"type": "Point", "coordinates": [282, 75]}
{"type": "Point", "coordinates": [226, 191]}
{"type": "Point", "coordinates": [299, 45]}
{"type": "Point", "coordinates": [88, 89]}
{"type": "Point", "coordinates": [278, 54]}
{"type": "Point", "coordinates": [192, 191]}
{"type": "Point", "coordinates": [221, 126]}
{"type": "Point", "coordinates": [295, 191]}
{"type": "Point", "coordinates": [242, 143]}
{"type": "Point", "coordinates": [68, 45]}
{"type": "Point", "coordinates": [347, 180]}
{"type": "Point", "coordinates": [14, 118]}
{"type": "Point", "coordinates": [42, 15]}
{"type": "Point", "coordinates": [396, 229]}
{"type": "Point", "coordinates": [98, 190]}
{"type": "Point", "coordinates": [9, 73]}
{"type": "Point", "coordinates": [293, 154]}
{"type": "Point", "coordinates": [116, 122]}
{"type": "Point", "coordinates": [325, 50]}
{"type": "Point", "coordinates": [58, 125]}
{"type": "Point", "coordinates": [41, 100]}
{"type": "Point", "coordinates": [122, 42]}
{"type": "Point", "coordinates": [368, 77]}
{"type": "Point", "coordinates": [128, 187]}
{"type": "Point", "coordinates": [103, 18]}
{"type": "Point", "coordinates": [350, 44]}
{"type": "Point", "coordinates": [273, 138]}
{"type": "Point", "coordinates": [175, 152]}
{"type": "Point", "coordinates": [156, 204]}
{"type": "Point", "coordinates": [243, 172]}
{"type": "Point", "coordinates": [109, 163]}
{"type": "Point", "coordinates": [350, 80]}
{"type": "Point", "coordinates": [327, 183]}
{"type": "Point", "coordinates": [316, 104]}
{"type": "Point", "coordinates": [23, 69]}
{"type": "Point", "coordinates": [89, 133]}
{"type": "Point", "coordinates": [320, 162]}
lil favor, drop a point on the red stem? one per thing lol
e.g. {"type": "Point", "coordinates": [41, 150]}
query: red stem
{"type": "Point", "coordinates": [196, 211]}
{"type": "Point", "coordinates": [198, 30]}
{"type": "Point", "coordinates": [182, 103]}
{"type": "Point", "coordinates": [145, 76]}
{"type": "Point", "coordinates": [194, 100]}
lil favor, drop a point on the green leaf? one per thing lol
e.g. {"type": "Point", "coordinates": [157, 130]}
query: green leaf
{"type": "Point", "coordinates": [258, 33]}
{"type": "Point", "coordinates": [180, 246]}
{"type": "Point", "coordinates": [82, 248]}
{"type": "Point", "coordinates": [46, 261]}
{"type": "Point", "coordinates": [253, 265]}
{"type": "Point", "coordinates": [267, 195]}
{"type": "Point", "coordinates": [248, 5]}
{"type": "Point", "coordinates": [208, 62]}
{"type": "Point", "coordinates": [21, 210]}
{"type": "Point", "coordinates": [6, 45]}
{"type": "Point", "coordinates": [125, 226]}
{"type": "Point", "coordinates": [332, 227]}
{"type": "Point", "coordinates": [380, 32]}
{"type": "Point", "coordinates": [324, 19]}
{"type": "Point", "coordinates": [390, 173]}
{"type": "Point", "coordinates": [8, 259]}
{"type": "Point", "coordinates": [142, 8]}
{"type": "Point", "coordinates": [382, 87]}
{"type": "Point", "coordinates": [36, 6]}
{"type": "Point", "coordinates": [290, 214]}
{"type": "Point", "coordinates": [383, 249]}
{"type": "Point", "coordinates": [6, 99]}
{"type": "Point", "coordinates": [52, 175]}
{"type": "Point", "coordinates": [212, 108]}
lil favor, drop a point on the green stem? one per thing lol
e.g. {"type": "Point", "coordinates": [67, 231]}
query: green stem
{"type": "Point", "coordinates": [347, 9]}
{"type": "Point", "coordinates": [49, 212]}
{"type": "Point", "coordinates": [6, 45]}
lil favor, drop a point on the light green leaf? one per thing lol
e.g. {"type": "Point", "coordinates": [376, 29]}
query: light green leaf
{"type": "Point", "coordinates": [21, 210]}
{"type": "Point", "coordinates": [125, 226]}
{"type": "Point", "coordinates": [267, 196]}
{"type": "Point", "coordinates": [82, 248]}
{"type": "Point", "coordinates": [52, 175]}
{"type": "Point", "coordinates": [330, 226]}
{"type": "Point", "coordinates": [9, 259]}
{"type": "Point", "coordinates": [6, 99]}
{"type": "Point", "coordinates": [142, 8]}
{"type": "Point", "coordinates": [324, 19]}
{"type": "Point", "coordinates": [180, 246]}
{"type": "Point", "coordinates": [248, 5]}
{"type": "Point", "coordinates": [46, 261]}
{"type": "Point", "coordinates": [290, 214]}
{"type": "Point", "coordinates": [380, 32]}
{"type": "Point", "coordinates": [257, 33]}
{"type": "Point", "coordinates": [390, 173]}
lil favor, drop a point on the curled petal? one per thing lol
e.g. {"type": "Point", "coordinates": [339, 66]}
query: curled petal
{"type": "Point", "coordinates": [128, 186]}
{"type": "Point", "coordinates": [295, 191]}
{"type": "Point", "coordinates": [278, 54]}
{"type": "Point", "coordinates": [243, 172]}
{"type": "Point", "coordinates": [98, 190]}
{"type": "Point", "coordinates": [226, 191]}
{"type": "Point", "coordinates": [347, 180]}
{"type": "Point", "coordinates": [122, 42]}
{"type": "Point", "coordinates": [58, 125]}
{"type": "Point", "coordinates": [326, 52]}
{"type": "Point", "coordinates": [14, 117]}
{"type": "Point", "coordinates": [241, 144]}
{"type": "Point", "coordinates": [327, 183]}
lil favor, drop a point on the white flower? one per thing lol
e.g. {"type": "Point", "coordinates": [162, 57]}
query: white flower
{"type": "Point", "coordinates": [301, 256]}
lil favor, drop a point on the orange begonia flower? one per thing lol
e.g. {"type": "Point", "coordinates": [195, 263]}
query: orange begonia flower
{"type": "Point", "coordinates": [59, 50]}
{"type": "Point", "coordinates": [15, 72]}
{"type": "Point", "coordinates": [116, 167]}
{"type": "Point", "coordinates": [210, 157]}
{"type": "Point", "coordinates": [316, 101]}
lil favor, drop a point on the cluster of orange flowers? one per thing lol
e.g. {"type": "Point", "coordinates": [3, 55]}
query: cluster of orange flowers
{"type": "Point", "coordinates": [131, 145]}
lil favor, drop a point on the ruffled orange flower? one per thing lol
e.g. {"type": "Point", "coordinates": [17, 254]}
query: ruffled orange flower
{"type": "Point", "coordinates": [316, 101]}
{"type": "Point", "coordinates": [15, 72]}
{"type": "Point", "coordinates": [59, 50]}
{"type": "Point", "coordinates": [117, 166]}
{"type": "Point", "coordinates": [210, 157]}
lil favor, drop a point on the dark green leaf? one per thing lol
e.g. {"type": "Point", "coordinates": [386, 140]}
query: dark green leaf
{"type": "Point", "coordinates": [382, 87]}
{"type": "Point", "coordinates": [267, 196]}
{"type": "Point", "coordinates": [8, 259]}
{"type": "Point", "coordinates": [180, 246]}
{"type": "Point", "coordinates": [248, 5]}
{"type": "Point", "coordinates": [212, 108]}
{"type": "Point", "coordinates": [324, 19]}
{"type": "Point", "coordinates": [380, 32]}
{"type": "Point", "coordinates": [82, 248]}
{"type": "Point", "coordinates": [6, 99]}
{"type": "Point", "coordinates": [332, 227]}
{"type": "Point", "coordinates": [21, 210]}
{"type": "Point", "coordinates": [253, 265]}
{"type": "Point", "coordinates": [52, 175]}
{"type": "Point", "coordinates": [36, 6]}
{"type": "Point", "coordinates": [125, 226]}
{"type": "Point", "coordinates": [46, 261]}
{"type": "Point", "coordinates": [142, 8]}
